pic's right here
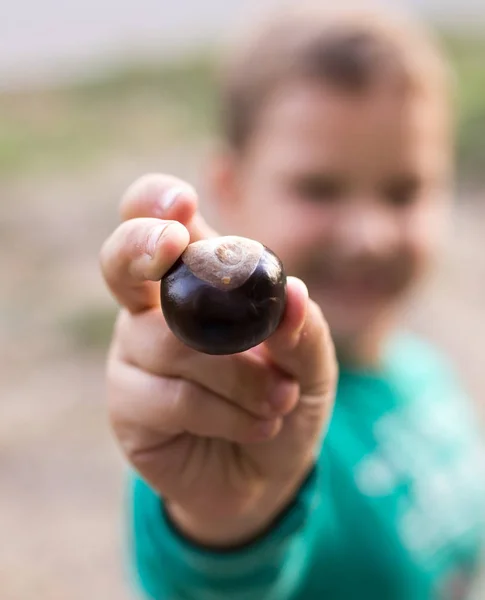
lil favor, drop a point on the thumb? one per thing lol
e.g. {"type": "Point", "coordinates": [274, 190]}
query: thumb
{"type": "Point", "coordinates": [302, 345]}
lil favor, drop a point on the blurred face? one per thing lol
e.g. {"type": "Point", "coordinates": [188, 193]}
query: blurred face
{"type": "Point", "coordinates": [350, 191]}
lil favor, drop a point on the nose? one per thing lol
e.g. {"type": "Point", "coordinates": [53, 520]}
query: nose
{"type": "Point", "coordinates": [365, 231]}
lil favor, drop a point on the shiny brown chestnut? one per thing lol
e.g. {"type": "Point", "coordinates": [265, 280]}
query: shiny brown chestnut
{"type": "Point", "coordinates": [224, 295]}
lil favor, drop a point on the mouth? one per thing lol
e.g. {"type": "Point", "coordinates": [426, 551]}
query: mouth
{"type": "Point", "coordinates": [360, 287]}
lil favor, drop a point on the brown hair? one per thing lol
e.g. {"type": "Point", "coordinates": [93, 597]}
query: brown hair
{"type": "Point", "coordinates": [350, 48]}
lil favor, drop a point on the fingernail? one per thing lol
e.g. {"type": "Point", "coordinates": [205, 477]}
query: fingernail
{"type": "Point", "coordinates": [282, 394]}
{"type": "Point", "coordinates": [154, 237]}
{"type": "Point", "coordinates": [170, 196]}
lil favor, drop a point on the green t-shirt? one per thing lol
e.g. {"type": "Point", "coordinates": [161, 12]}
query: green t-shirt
{"type": "Point", "coordinates": [393, 510]}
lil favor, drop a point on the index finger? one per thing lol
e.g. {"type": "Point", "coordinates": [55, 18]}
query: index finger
{"type": "Point", "coordinates": [165, 197]}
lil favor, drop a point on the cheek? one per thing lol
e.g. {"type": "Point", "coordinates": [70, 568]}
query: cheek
{"type": "Point", "coordinates": [423, 236]}
{"type": "Point", "coordinates": [292, 230]}
{"type": "Point", "coordinates": [303, 237]}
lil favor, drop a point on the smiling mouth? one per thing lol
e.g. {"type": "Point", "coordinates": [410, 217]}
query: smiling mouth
{"type": "Point", "coordinates": [358, 288]}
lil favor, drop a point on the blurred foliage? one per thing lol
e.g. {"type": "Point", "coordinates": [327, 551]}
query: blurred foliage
{"type": "Point", "coordinates": [467, 53]}
{"type": "Point", "coordinates": [90, 328]}
{"type": "Point", "coordinates": [134, 110]}
{"type": "Point", "coordinates": [142, 109]}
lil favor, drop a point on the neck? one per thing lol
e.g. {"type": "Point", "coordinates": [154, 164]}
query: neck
{"type": "Point", "coordinates": [364, 351]}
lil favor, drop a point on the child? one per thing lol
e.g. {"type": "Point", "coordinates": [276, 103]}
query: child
{"type": "Point", "coordinates": [249, 481]}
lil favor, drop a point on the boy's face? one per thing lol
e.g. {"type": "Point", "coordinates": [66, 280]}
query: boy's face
{"type": "Point", "coordinates": [349, 190]}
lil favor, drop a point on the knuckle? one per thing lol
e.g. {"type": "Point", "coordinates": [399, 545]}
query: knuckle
{"type": "Point", "coordinates": [123, 322]}
{"type": "Point", "coordinates": [117, 411]}
{"type": "Point", "coordinates": [118, 401]}
{"type": "Point", "coordinates": [127, 439]}
{"type": "Point", "coordinates": [155, 465]}
{"type": "Point", "coordinates": [149, 455]}
{"type": "Point", "coordinates": [123, 332]}
{"type": "Point", "coordinates": [317, 314]}
{"type": "Point", "coordinates": [179, 391]}
{"type": "Point", "coordinates": [320, 323]}
{"type": "Point", "coordinates": [238, 383]}
{"type": "Point", "coordinates": [167, 351]}
{"type": "Point", "coordinates": [145, 339]}
{"type": "Point", "coordinates": [249, 377]}
{"type": "Point", "coordinates": [179, 394]}
{"type": "Point", "coordinates": [243, 427]}
{"type": "Point", "coordinates": [176, 353]}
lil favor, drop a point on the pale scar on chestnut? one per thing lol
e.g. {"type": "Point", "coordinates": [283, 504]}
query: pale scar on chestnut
{"type": "Point", "coordinates": [224, 295]}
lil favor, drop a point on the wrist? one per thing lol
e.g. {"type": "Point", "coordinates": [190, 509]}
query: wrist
{"type": "Point", "coordinates": [223, 534]}
{"type": "Point", "coordinates": [231, 532]}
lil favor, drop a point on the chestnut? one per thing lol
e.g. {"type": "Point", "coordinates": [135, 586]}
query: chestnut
{"type": "Point", "coordinates": [224, 295]}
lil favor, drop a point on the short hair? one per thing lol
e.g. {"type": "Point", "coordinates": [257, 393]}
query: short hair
{"type": "Point", "coordinates": [351, 48]}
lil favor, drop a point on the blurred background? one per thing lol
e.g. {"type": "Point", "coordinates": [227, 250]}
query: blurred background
{"type": "Point", "coordinates": [92, 95]}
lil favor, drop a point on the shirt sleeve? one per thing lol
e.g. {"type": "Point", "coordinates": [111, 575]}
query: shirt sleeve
{"type": "Point", "coordinates": [166, 565]}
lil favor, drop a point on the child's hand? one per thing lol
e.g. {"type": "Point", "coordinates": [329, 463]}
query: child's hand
{"type": "Point", "coordinates": [225, 440]}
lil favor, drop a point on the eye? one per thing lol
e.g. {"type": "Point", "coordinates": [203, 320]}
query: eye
{"type": "Point", "coordinates": [318, 188]}
{"type": "Point", "coordinates": [402, 192]}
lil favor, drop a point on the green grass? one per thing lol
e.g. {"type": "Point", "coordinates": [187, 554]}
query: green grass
{"type": "Point", "coordinates": [132, 110]}
{"type": "Point", "coordinates": [146, 108]}
{"type": "Point", "coordinates": [467, 55]}
{"type": "Point", "coordinates": [90, 328]}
